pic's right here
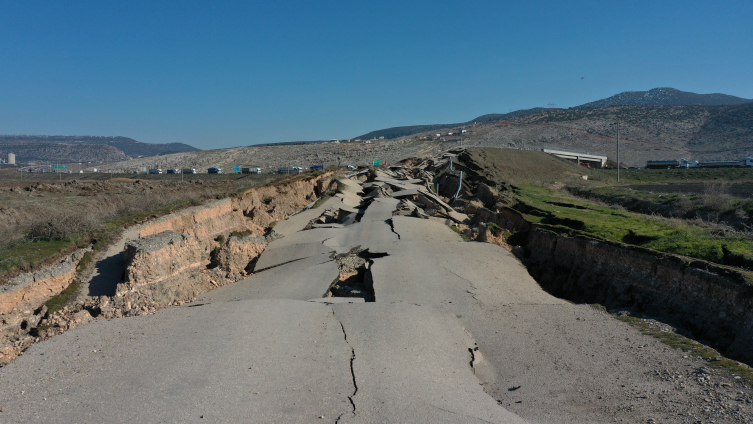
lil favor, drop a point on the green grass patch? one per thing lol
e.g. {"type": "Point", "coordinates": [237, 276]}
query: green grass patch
{"type": "Point", "coordinates": [84, 263]}
{"type": "Point", "coordinates": [659, 198]}
{"type": "Point", "coordinates": [494, 227]}
{"type": "Point", "coordinates": [30, 252]}
{"type": "Point", "coordinates": [457, 230]}
{"type": "Point", "coordinates": [713, 358]}
{"type": "Point", "coordinates": [340, 186]}
{"type": "Point", "coordinates": [59, 301]}
{"type": "Point", "coordinates": [674, 236]}
{"type": "Point", "coordinates": [680, 174]}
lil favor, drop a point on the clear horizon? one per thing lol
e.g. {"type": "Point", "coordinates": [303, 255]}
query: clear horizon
{"type": "Point", "coordinates": [224, 74]}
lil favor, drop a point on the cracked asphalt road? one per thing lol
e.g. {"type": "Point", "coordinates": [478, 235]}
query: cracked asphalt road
{"type": "Point", "coordinates": [458, 333]}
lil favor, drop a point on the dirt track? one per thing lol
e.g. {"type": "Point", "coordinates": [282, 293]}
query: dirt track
{"type": "Point", "coordinates": [741, 191]}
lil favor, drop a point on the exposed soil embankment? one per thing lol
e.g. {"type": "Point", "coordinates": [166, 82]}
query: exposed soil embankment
{"type": "Point", "coordinates": [31, 289]}
{"type": "Point", "coordinates": [713, 303]}
{"type": "Point", "coordinates": [22, 302]}
{"type": "Point", "coordinates": [188, 253]}
{"type": "Point", "coordinates": [176, 258]}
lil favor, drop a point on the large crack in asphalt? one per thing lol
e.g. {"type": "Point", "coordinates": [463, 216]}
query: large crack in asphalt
{"type": "Point", "coordinates": [392, 227]}
{"type": "Point", "coordinates": [352, 370]}
{"type": "Point", "coordinates": [473, 286]}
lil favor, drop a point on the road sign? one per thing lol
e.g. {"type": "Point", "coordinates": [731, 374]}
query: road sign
{"type": "Point", "coordinates": [59, 166]}
{"type": "Point", "coordinates": [237, 168]}
{"type": "Point", "coordinates": [377, 162]}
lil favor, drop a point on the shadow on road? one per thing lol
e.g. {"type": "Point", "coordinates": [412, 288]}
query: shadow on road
{"type": "Point", "coordinates": [109, 274]}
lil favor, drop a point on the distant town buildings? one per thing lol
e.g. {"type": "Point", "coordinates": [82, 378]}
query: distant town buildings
{"type": "Point", "coordinates": [11, 159]}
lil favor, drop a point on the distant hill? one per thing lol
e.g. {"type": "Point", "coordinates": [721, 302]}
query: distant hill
{"type": "Point", "coordinates": [395, 132]}
{"type": "Point", "coordinates": [653, 97]}
{"type": "Point", "coordinates": [646, 132]}
{"type": "Point", "coordinates": [75, 148]}
{"type": "Point", "coordinates": [665, 97]}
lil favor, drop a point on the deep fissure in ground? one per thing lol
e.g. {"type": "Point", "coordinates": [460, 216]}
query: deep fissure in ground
{"type": "Point", "coordinates": [355, 278]}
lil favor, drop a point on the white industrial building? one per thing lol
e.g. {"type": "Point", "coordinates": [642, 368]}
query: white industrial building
{"type": "Point", "coordinates": [11, 159]}
{"type": "Point", "coordinates": [596, 161]}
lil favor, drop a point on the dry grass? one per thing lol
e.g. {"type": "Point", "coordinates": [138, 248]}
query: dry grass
{"type": "Point", "coordinates": [716, 196]}
{"type": "Point", "coordinates": [38, 224]}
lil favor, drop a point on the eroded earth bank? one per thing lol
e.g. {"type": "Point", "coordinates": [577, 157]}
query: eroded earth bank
{"type": "Point", "coordinates": [369, 306]}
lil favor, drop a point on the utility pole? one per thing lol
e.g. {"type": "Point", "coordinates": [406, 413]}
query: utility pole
{"type": "Point", "coordinates": [618, 150]}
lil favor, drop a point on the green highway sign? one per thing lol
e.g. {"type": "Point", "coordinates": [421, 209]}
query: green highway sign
{"type": "Point", "coordinates": [59, 166]}
{"type": "Point", "coordinates": [377, 162]}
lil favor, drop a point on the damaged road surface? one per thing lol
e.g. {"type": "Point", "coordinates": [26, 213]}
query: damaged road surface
{"type": "Point", "coordinates": [370, 309]}
{"type": "Point", "coordinates": [278, 346]}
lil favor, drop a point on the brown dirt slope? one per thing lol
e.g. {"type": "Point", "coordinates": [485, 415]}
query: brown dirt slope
{"type": "Point", "coordinates": [512, 165]}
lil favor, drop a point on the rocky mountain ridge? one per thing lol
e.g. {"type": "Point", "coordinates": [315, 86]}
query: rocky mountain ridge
{"type": "Point", "coordinates": [664, 96]}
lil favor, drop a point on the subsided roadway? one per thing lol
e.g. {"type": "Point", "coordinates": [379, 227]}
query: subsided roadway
{"type": "Point", "coordinates": [458, 333]}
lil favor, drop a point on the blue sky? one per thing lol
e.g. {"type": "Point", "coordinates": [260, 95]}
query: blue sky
{"type": "Point", "coordinates": [217, 74]}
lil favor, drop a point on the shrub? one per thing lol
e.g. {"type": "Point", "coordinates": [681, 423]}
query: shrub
{"type": "Point", "coordinates": [244, 233]}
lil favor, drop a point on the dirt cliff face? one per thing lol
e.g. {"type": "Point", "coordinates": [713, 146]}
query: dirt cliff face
{"type": "Point", "coordinates": [151, 259]}
{"type": "Point", "coordinates": [176, 258]}
{"type": "Point", "coordinates": [240, 253]}
{"type": "Point", "coordinates": [711, 302]}
{"type": "Point", "coordinates": [190, 252]}
{"type": "Point", "coordinates": [30, 290]}
{"type": "Point", "coordinates": [23, 297]}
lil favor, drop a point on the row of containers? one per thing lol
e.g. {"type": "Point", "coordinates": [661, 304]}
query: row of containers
{"type": "Point", "coordinates": [684, 163]}
{"type": "Point", "coordinates": [236, 169]}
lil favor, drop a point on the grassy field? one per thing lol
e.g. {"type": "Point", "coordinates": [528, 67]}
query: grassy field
{"type": "Point", "coordinates": [687, 197]}
{"type": "Point", "coordinates": [679, 175]}
{"type": "Point", "coordinates": [26, 253]}
{"type": "Point", "coordinates": [540, 189]}
{"type": "Point", "coordinates": [677, 236]}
